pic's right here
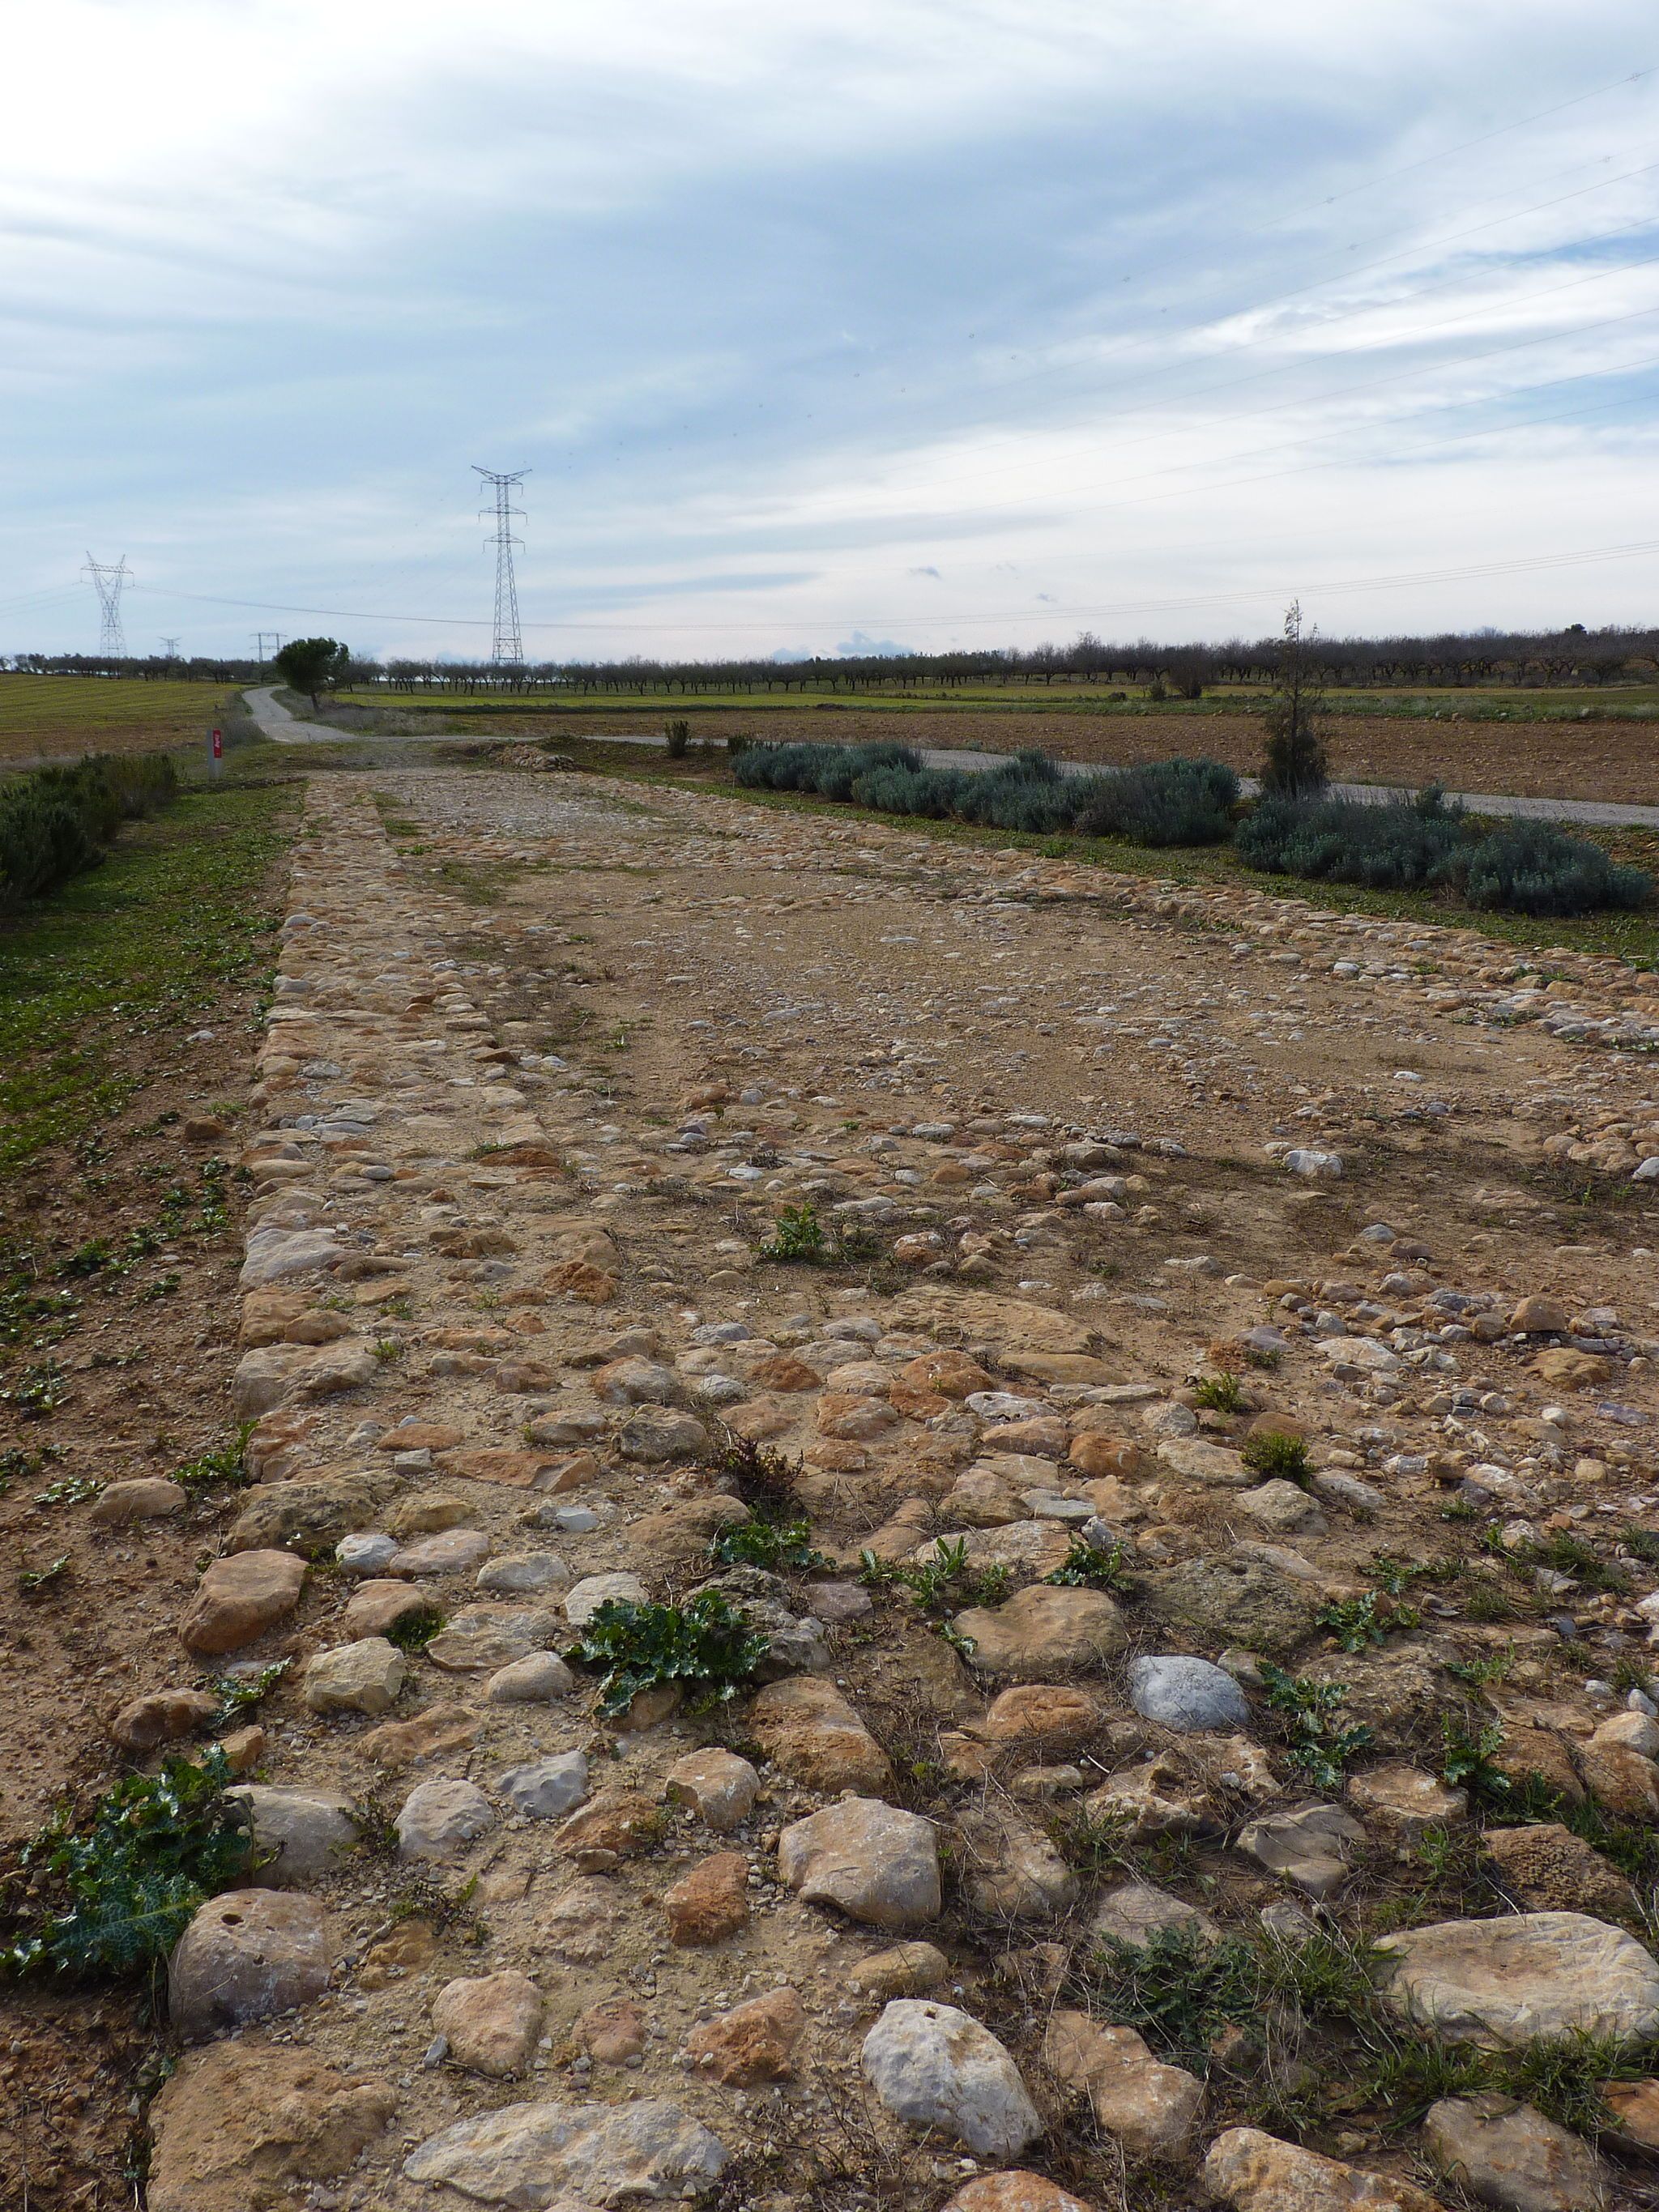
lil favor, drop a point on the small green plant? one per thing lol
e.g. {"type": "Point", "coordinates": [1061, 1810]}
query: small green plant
{"type": "Point", "coordinates": [240, 1694]}
{"type": "Point", "coordinates": [1089, 1566]}
{"type": "Point", "coordinates": [1317, 1744]}
{"type": "Point", "coordinates": [1628, 1672]}
{"type": "Point", "coordinates": [113, 1894]}
{"type": "Point", "coordinates": [1470, 1746]}
{"type": "Point", "coordinates": [223, 1467]}
{"type": "Point", "coordinates": [776, 1545]}
{"type": "Point", "coordinates": [414, 1630]}
{"type": "Point", "coordinates": [1220, 1394]}
{"type": "Point", "coordinates": [1277, 1458]}
{"type": "Point", "coordinates": [388, 1349]}
{"type": "Point", "coordinates": [1356, 1623]}
{"type": "Point", "coordinates": [38, 1393]}
{"type": "Point", "coordinates": [1480, 1674]}
{"type": "Point", "coordinates": [164, 1286]}
{"type": "Point", "coordinates": [677, 737]}
{"type": "Point", "coordinates": [1180, 1990]}
{"type": "Point", "coordinates": [949, 1579]}
{"type": "Point", "coordinates": [1565, 1554]}
{"type": "Point", "coordinates": [377, 1828]}
{"type": "Point", "coordinates": [1489, 1604]}
{"type": "Point", "coordinates": [72, 1490]}
{"type": "Point", "coordinates": [33, 1581]}
{"type": "Point", "coordinates": [1397, 1576]}
{"type": "Point", "coordinates": [798, 1238]}
{"type": "Point", "coordinates": [707, 1644]}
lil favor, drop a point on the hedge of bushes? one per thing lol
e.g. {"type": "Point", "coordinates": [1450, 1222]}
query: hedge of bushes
{"type": "Point", "coordinates": [1402, 844]}
{"type": "Point", "coordinates": [1422, 844]}
{"type": "Point", "coordinates": [1179, 802]}
{"type": "Point", "coordinates": [55, 822]}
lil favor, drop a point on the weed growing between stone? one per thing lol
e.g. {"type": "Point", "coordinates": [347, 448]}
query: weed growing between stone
{"type": "Point", "coordinates": [706, 1646]}
{"type": "Point", "coordinates": [112, 1892]}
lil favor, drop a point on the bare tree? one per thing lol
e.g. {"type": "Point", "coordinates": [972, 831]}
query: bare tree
{"type": "Point", "coordinates": [1296, 765]}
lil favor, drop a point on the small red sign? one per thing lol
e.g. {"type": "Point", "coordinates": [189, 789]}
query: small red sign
{"type": "Point", "coordinates": [218, 746]}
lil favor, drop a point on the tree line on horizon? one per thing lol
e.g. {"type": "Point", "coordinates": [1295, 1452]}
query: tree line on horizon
{"type": "Point", "coordinates": [1542, 659]}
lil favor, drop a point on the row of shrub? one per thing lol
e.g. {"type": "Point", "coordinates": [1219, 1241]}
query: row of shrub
{"type": "Point", "coordinates": [55, 822]}
{"type": "Point", "coordinates": [1404, 844]}
{"type": "Point", "coordinates": [1177, 802]}
{"type": "Point", "coordinates": [1423, 844]}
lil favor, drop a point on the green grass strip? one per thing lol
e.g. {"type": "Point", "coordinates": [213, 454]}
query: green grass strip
{"type": "Point", "coordinates": [137, 949]}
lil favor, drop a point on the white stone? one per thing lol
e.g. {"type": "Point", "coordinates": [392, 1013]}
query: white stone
{"type": "Point", "coordinates": [934, 2066]}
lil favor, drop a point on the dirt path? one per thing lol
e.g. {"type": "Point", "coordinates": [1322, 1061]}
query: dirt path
{"type": "Point", "coordinates": [546, 1067]}
{"type": "Point", "coordinates": [1594, 762]}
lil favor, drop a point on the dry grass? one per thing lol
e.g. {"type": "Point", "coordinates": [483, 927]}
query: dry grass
{"type": "Point", "coordinates": [61, 717]}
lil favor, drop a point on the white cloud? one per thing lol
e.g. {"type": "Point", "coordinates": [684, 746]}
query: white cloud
{"type": "Point", "coordinates": [823, 320]}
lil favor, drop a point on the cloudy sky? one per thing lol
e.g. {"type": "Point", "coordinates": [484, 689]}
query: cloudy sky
{"type": "Point", "coordinates": [954, 322]}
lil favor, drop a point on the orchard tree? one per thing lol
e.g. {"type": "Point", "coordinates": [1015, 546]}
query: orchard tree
{"type": "Point", "coordinates": [313, 664]}
{"type": "Point", "coordinates": [1296, 766]}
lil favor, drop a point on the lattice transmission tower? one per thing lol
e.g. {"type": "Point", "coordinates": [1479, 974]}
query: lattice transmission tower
{"type": "Point", "coordinates": [507, 649]}
{"type": "Point", "coordinates": [109, 577]}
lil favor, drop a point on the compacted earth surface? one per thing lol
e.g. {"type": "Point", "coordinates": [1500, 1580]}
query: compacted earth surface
{"type": "Point", "coordinates": [902, 1526]}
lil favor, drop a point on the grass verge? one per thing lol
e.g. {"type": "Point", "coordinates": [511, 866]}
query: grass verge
{"type": "Point", "coordinates": [127, 953]}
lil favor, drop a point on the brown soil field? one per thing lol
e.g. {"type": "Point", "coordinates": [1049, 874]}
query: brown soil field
{"type": "Point", "coordinates": [1604, 760]}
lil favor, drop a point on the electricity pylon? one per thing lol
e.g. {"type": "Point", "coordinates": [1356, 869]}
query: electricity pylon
{"type": "Point", "coordinates": [506, 650]}
{"type": "Point", "coordinates": [109, 577]}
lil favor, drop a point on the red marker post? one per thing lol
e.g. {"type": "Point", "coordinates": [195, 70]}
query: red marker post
{"type": "Point", "coordinates": [216, 747]}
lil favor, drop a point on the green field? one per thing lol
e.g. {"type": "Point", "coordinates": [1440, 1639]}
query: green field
{"type": "Point", "coordinates": [61, 717]}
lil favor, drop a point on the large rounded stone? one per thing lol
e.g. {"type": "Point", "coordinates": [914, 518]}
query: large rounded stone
{"type": "Point", "coordinates": [1254, 2172]}
{"type": "Point", "coordinates": [1042, 1632]}
{"type": "Point", "coordinates": [937, 2067]}
{"type": "Point", "coordinates": [535, 1680]}
{"type": "Point", "coordinates": [246, 1955]}
{"type": "Point", "coordinates": [438, 1820]}
{"type": "Point", "coordinates": [546, 1789]}
{"type": "Point", "coordinates": [1015, 2191]}
{"type": "Point", "coordinates": [1530, 1976]}
{"type": "Point", "coordinates": [1187, 1694]}
{"type": "Point", "coordinates": [491, 2023]}
{"type": "Point", "coordinates": [1507, 2154]}
{"type": "Point", "coordinates": [1009, 1870]}
{"type": "Point", "coordinates": [1238, 1599]}
{"type": "Point", "coordinates": [558, 2154]}
{"type": "Point", "coordinates": [309, 1830]}
{"type": "Point", "coordinates": [162, 1717]}
{"type": "Point", "coordinates": [809, 1730]}
{"type": "Point", "coordinates": [240, 1597]}
{"type": "Point", "coordinates": [238, 2120]}
{"type": "Point", "coordinates": [878, 1864]}
{"type": "Point", "coordinates": [364, 1677]}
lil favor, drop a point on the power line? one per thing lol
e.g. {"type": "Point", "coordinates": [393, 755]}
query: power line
{"type": "Point", "coordinates": [1524, 564]}
{"type": "Point", "coordinates": [506, 647]}
{"type": "Point", "coordinates": [107, 578]}
{"type": "Point", "coordinates": [1427, 161]}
